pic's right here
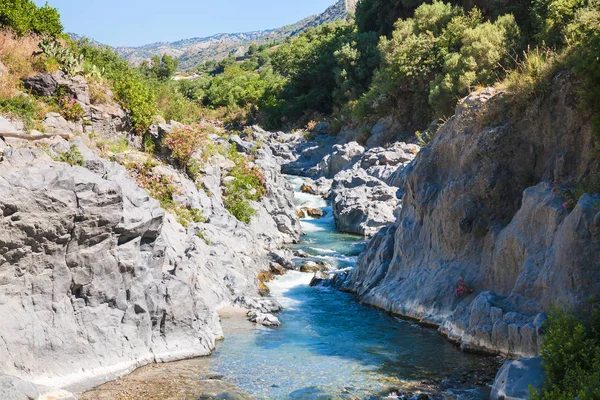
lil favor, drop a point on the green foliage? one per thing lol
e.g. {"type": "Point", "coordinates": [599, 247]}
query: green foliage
{"type": "Point", "coordinates": [23, 16]}
{"type": "Point", "coordinates": [436, 57]}
{"type": "Point", "coordinates": [584, 34]}
{"type": "Point", "coordinates": [552, 17]}
{"type": "Point", "coordinates": [162, 68]}
{"type": "Point", "coordinates": [237, 87]}
{"type": "Point", "coordinates": [329, 63]}
{"type": "Point", "coordinates": [70, 109]}
{"type": "Point", "coordinates": [248, 185]}
{"type": "Point", "coordinates": [380, 15]}
{"type": "Point", "coordinates": [72, 156]}
{"type": "Point", "coordinates": [173, 105]}
{"type": "Point", "coordinates": [21, 106]}
{"type": "Point", "coordinates": [571, 356]}
{"type": "Point", "coordinates": [186, 216]}
{"type": "Point", "coordinates": [203, 236]}
{"type": "Point", "coordinates": [67, 61]}
{"type": "Point", "coordinates": [532, 76]}
{"type": "Point", "coordinates": [184, 141]}
{"type": "Point", "coordinates": [130, 87]}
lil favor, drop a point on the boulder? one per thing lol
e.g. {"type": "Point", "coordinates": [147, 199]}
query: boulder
{"type": "Point", "coordinates": [362, 204]}
{"type": "Point", "coordinates": [277, 269]}
{"type": "Point", "coordinates": [157, 133]}
{"type": "Point", "coordinates": [46, 85]}
{"type": "Point", "coordinates": [43, 85]}
{"type": "Point", "coordinates": [263, 319]}
{"type": "Point", "coordinates": [314, 266]}
{"type": "Point", "coordinates": [241, 145]}
{"type": "Point", "coordinates": [7, 126]}
{"type": "Point", "coordinates": [315, 212]}
{"type": "Point", "coordinates": [514, 378]}
{"type": "Point", "coordinates": [318, 279]}
{"type": "Point", "coordinates": [109, 121]}
{"type": "Point", "coordinates": [310, 266]}
{"type": "Point", "coordinates": [322, 128]}
{"type": "Point", "coordinates": [319, 187]}
{"type": "Point", "coordinates": [382, 133]}
{"type": "Point", "coordinates": [56, 123]}
{"type": "Point", "coordinates": [342, 157]}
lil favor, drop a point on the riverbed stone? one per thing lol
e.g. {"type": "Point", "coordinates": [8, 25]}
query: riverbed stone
{"type": "Point", "coordinates": [264, 319]}
{"type": "Point", "coordinates": [514, 378]}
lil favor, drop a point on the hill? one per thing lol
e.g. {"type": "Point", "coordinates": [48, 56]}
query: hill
{"type": "Point", "coordinates": [195, 51]}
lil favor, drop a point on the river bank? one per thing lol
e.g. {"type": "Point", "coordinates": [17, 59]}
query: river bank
{"type": "Point", "coordinates": [328, 346]}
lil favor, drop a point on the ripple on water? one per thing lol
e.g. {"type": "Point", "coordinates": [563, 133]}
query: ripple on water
{"type": "Point", "coordinates": [329, 344]}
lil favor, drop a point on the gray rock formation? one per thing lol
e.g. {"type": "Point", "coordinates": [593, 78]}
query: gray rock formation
{"type": "Point", "coordinates": [514, 378]}
{"type": "Point", "coordinates": [96, 279]}
{"type": "Point", "coordinates": [47, 85]}
{"type": "Point", "coordinates": [106, 120]}
{"type": "Point", "coordinates": [477, 204]}
{"type": "Point", "coordinates": [362, 204]}
{"type": "Point", "coordinates": [109, 121]}
{"type": "Point", "coordinates": [342, 157]}
{"type": "Point", "coordinates": [55, 123]}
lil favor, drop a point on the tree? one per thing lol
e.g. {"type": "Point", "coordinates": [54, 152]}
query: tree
{"type": "Point", "coordinates": [162, 68]}
{"type": "Point", "coordinates": [46, 21]}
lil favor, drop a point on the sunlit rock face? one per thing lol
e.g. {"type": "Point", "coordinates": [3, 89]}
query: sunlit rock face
{"type": "Point", "coordinates": [479, 203]}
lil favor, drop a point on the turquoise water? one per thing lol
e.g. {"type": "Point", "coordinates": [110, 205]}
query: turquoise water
{"type": "Point", "coordinates": [329, 345]}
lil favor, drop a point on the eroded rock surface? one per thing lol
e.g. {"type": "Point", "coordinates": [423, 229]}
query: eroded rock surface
{"type": "Point", "coordinates": [478, 204]}
{"type": "Point", "coordinates": [96, 279]}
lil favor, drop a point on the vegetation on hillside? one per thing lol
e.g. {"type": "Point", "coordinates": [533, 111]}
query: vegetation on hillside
{"type": "Point", "coordinates": [406, 58]}
{"type": "Point", "coordinates": [571, 356]}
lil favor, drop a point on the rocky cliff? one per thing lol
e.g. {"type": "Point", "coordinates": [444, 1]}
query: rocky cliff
{"type": "Point", "coordinates": [97, 279]}
{"type": "Point", "coordinates": [487, 200]}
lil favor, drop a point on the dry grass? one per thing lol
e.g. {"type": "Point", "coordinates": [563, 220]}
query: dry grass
{"type": "Point", "coordinates": [534, 72]}
{"type": "Point", "coordinates": [16, 53]}
{"type": "Point", "coordinates": [98, 93]}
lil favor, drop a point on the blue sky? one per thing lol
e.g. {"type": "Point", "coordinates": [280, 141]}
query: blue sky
{"type": "Point", "coordinates": [139, 22]}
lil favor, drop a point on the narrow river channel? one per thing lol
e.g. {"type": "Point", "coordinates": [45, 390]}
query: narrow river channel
{"type": "Point", "coordinates": [330, 346]}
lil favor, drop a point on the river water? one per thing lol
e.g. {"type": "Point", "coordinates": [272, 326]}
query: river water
{"type": "Point", "coordinates": [330, 346]}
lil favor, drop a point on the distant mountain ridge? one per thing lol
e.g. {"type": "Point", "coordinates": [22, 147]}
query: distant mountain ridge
{"type": "Point", "coordinates": [195, 51]}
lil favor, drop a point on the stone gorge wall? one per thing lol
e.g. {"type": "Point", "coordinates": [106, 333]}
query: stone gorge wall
{"type": "Point", "coordinates": [96, 279]}
{"type": "Point", "coordinates": [477, 203]}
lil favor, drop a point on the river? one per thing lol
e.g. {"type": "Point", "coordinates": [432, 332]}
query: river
{"type": "Point", "coordinates": [330, 346]}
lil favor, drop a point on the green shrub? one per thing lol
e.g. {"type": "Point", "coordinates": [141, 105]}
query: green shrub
{"type": "Point", "coordinates": [584, 34]}
{"type": "Point", "coordinates": [551, 19]}
{"type": "Point", "coordinates": [239, 207]}
{"type": "Point", "coordinates": [532, 76]}
{"type": "Point", "coordinates": [437, 57]}
{"type": "Point", "coordinates": [248, 185]}
{"type": "Point", "coordinates": [184, 141]}
{"type": "Point", "coordinates": [187, 216]}
{"type": "Point", "coordinates": [23, 107]}
{"type": "Point", "coordinates": [70, 109]}
{"type": "Point", "coordinates": [23, 16]}
{"type": "Point", "coordinates": [571, 356]}
{"type": "Point", "coordinates": [174, 106]}
{"type": "Point", "coordinates": [162, 68]}
{"type": "Point", "coordinates": [322, 67]}
{"type": "Point", "coordinates": [72, 156]}
{"type": "Point", "coordinates": [130, 87]}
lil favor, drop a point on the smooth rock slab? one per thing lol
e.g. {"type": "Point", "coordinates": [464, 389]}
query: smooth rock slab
{"type": "Point", "coordinates": [513, 380]}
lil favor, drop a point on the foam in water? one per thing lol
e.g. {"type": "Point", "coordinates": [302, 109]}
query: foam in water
{"type": "Point", "coordinates": [329, 345]}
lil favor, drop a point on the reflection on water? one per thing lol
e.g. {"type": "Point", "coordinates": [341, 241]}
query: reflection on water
{"type": "Point", "coordinates": [330, 346]}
